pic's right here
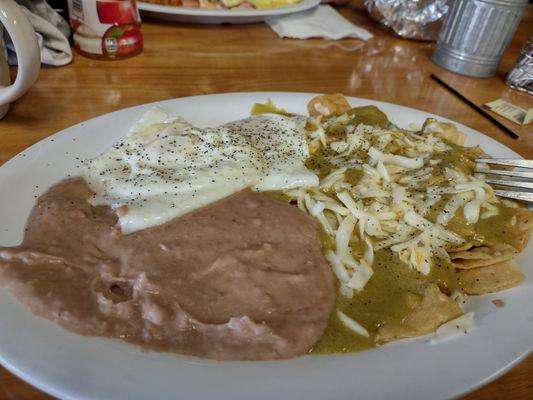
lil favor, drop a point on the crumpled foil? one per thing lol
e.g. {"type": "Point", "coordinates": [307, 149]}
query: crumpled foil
{"type": "Point", "coordinates": [412, 19]}
{"type": "Point", "coordinates": [521, 76]}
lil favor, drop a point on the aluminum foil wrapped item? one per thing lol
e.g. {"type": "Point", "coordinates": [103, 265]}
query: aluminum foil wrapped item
{"type": "Point", "coordinates": [412, 19]}
{"type": "Point", "coordinates": [521, 76]}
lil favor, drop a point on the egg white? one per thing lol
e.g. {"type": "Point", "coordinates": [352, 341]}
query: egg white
{"type": "Point", "coordinates": [165, 167]}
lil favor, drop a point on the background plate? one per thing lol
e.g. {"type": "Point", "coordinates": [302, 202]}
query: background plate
{"type": "Point", "coordinates": [76, 367]}
{"type": "Point", "coordinates": [205, 16]}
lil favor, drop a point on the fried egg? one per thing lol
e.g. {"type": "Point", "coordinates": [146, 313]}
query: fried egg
{"type": "Point", "coordinates": [165, 167]}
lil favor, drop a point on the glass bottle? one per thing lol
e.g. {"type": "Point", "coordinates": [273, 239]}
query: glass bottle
{"type": "Point", "coordinates": [106, 29]}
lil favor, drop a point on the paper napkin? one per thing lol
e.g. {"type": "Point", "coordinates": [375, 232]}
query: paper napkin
{"type": "Point", "coordinates": [322, 21]}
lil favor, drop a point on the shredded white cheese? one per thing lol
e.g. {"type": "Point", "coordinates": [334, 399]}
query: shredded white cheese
{"type": "Point", "coordinates": [362, 273]}
{"type": "Point", "coordinates": [352, 325]}
{"type": "Point", "coordinates": [402, 180]}
{"type": "Point", "coordinates": [406, 162]}
{"type": "Point", "coordinates": [452, 206]}
{"type": "Point", "coordinates": [338, 267]}
{"type": "Point", "coordinates": [343, 235]}
{"type": "Point", "coordinates": [471, 210]}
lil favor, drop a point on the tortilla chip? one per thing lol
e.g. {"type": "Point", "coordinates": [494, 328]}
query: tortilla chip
{"type": "Point", "coordinates": [444, 130]}
{"type": "Point", "coordinates": [523, 227]}
{"type": "Point", "coordinates": [490, 279]}
{"type": "Point", "coordinates": [451, 134]}
{"type": "Point", "coordinates": [433, 310]}
{"type": "Point", "coordinates": [328, 104]}
{"type": "Point", "coordinates": [482, 256]}
{"type": "Point", "coordinates": [460, 248]}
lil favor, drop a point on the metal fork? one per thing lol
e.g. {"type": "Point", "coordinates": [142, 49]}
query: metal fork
{"type": "Point", "coordinates": [523, 177]}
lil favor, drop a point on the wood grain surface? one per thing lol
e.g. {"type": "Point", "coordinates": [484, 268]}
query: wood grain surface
{"type": "Point", "coordinates": [183, 60]}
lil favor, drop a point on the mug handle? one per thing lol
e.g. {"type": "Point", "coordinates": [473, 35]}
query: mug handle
{"type": "Point", "coordinates": [26, 46]}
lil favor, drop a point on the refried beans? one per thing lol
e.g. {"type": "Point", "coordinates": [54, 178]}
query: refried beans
{"type": "Point", "coordinates": [240, 279]}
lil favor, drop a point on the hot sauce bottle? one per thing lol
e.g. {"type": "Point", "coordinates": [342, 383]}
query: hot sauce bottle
{"type": "Point", "coordinates": [106, 29]}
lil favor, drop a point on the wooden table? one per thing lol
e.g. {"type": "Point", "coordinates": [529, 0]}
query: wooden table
{"type": "Point", "coordinates": [184, 60]}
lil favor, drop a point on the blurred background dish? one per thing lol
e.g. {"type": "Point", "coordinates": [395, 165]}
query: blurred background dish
{"type": "Point", "coordinates": [225, 4]}
{"type": "Point", "coordinates": [222, 16]}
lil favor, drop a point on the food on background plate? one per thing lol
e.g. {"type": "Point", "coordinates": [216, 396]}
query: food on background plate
{"type": "Point", "coordinates": [225, 4]}
{"type": "Point", "coordinates": [270, 237]}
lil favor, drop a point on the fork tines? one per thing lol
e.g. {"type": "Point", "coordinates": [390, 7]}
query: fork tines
{"type": "Point", "coordinates": [523, 177]}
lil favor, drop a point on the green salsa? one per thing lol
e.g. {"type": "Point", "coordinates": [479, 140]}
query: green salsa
{"type": "Point", "coordinates": [395, 289]}
{"type": "Point", "coordinates": [387, 298]}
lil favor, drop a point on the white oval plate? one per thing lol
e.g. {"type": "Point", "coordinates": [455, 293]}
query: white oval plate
{"type": "Point", "coordinates": [208, 16]}
{"type": "Point", "coordinates": [70, 366]}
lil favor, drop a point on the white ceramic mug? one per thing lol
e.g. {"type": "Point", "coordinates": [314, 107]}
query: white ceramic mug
{"type": "Point", "coordinates": [28, 54]}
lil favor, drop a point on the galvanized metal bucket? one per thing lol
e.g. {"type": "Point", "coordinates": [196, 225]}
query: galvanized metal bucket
{"type": "Point", "coordinates": [475, 35]}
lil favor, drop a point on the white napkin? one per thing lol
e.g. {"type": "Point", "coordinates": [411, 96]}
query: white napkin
{"type": "Point", "coordinates": [52, 33]}
{"type": "Point", "coordinates": [322, 21]}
